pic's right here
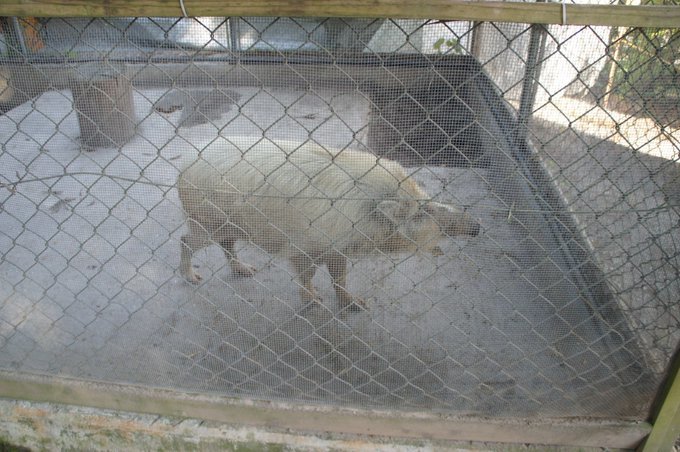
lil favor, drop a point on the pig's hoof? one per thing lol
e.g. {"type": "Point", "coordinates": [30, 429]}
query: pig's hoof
{"type": "Point", "coordinates": [314, 302]}
{"type": "Point", "coordinates": [193, 278]}
{"type": "Point", "coordinates": [243, 270]}
{"type": "Point", "coordinates": [309, 295]}
{"type": "Point", "coordinates": [356, 304]}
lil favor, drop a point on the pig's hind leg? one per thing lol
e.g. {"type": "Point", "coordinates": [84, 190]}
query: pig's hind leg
{"type": "Point", "coordinates": [238, 268]}
{"type": "Point", "coordinates": [305, 268]}
{"type": "Point", "coordinates": [337, 267]}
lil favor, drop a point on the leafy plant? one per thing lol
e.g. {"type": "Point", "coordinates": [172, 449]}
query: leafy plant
{"type": "Point", "coordinates": [444, 45]}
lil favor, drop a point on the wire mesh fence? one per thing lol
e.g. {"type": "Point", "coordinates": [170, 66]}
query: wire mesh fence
{"type": "Point", "coordinates": [466, 217]}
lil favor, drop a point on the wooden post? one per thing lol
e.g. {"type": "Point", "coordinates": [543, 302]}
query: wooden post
{"type": "Point", "coordinates": [665, 16]}
{"type": "Point", "coordinates": [102, 98]}
{"type": "Point", "coordinates": [666, 415]}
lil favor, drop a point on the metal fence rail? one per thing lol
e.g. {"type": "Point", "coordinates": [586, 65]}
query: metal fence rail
{"type": "Point", "coordinates": [472, 218]}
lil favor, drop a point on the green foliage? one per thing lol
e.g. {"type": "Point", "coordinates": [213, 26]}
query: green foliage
{"type": "Point", "coordinates": [444, 45]}
{"type": "Point", "coordinates": [647, 71]}
{"type": "Point", "coordinates": [6, 446]}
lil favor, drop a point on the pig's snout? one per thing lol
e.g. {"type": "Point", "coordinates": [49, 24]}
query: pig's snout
{"type": "Point", "coordinates": [453, 221]}
{"type": "Point", "coordinates": [474, 230]}
{"type": "Point", "coordinates": [463, 226]}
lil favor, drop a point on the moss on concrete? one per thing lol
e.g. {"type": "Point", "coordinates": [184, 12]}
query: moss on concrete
{"type": "Point", "coordinates": [8, 446]}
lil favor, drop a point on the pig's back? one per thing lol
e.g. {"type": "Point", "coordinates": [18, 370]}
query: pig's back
{"type": "Point", "coordinates": [286, 196]}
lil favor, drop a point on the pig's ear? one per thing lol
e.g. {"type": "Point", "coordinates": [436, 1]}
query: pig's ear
{"type": "Point", "coordinates": [390, 209]}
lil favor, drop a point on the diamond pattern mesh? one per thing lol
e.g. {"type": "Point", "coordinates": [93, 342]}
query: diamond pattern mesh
{"type": "Point", "coordinates": [543, 159]}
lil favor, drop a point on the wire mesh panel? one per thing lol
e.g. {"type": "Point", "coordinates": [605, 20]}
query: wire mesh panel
{"type": "Point", "coordinates": [471, 218]}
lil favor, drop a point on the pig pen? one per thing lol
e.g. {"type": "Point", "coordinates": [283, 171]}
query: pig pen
{"type": "Point", "coordinates": [514, 322]}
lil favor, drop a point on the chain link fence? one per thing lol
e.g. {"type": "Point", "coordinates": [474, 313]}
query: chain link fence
{"type": "Point", "coordinates": [474, 218]}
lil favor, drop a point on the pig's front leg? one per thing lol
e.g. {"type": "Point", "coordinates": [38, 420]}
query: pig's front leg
{"type": "Point", "coordinates": [305, 268]}
{"type": "Point", "coordinates": [190, 244]}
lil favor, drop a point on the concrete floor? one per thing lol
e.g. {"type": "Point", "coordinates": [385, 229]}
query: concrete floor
{"type": "Point", "coordinates": [627, 203]}
{"type": "Point", "coordinates": [90, 287]}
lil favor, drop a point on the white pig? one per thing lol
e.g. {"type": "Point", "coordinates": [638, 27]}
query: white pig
{"type": "Point", "coordinates": [309, 204]}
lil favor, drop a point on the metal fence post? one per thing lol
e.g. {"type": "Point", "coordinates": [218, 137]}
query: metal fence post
{"type": "Point", "coordinates": [530, 82]}
{"type": "Point", "coordinates": [14, 36]}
